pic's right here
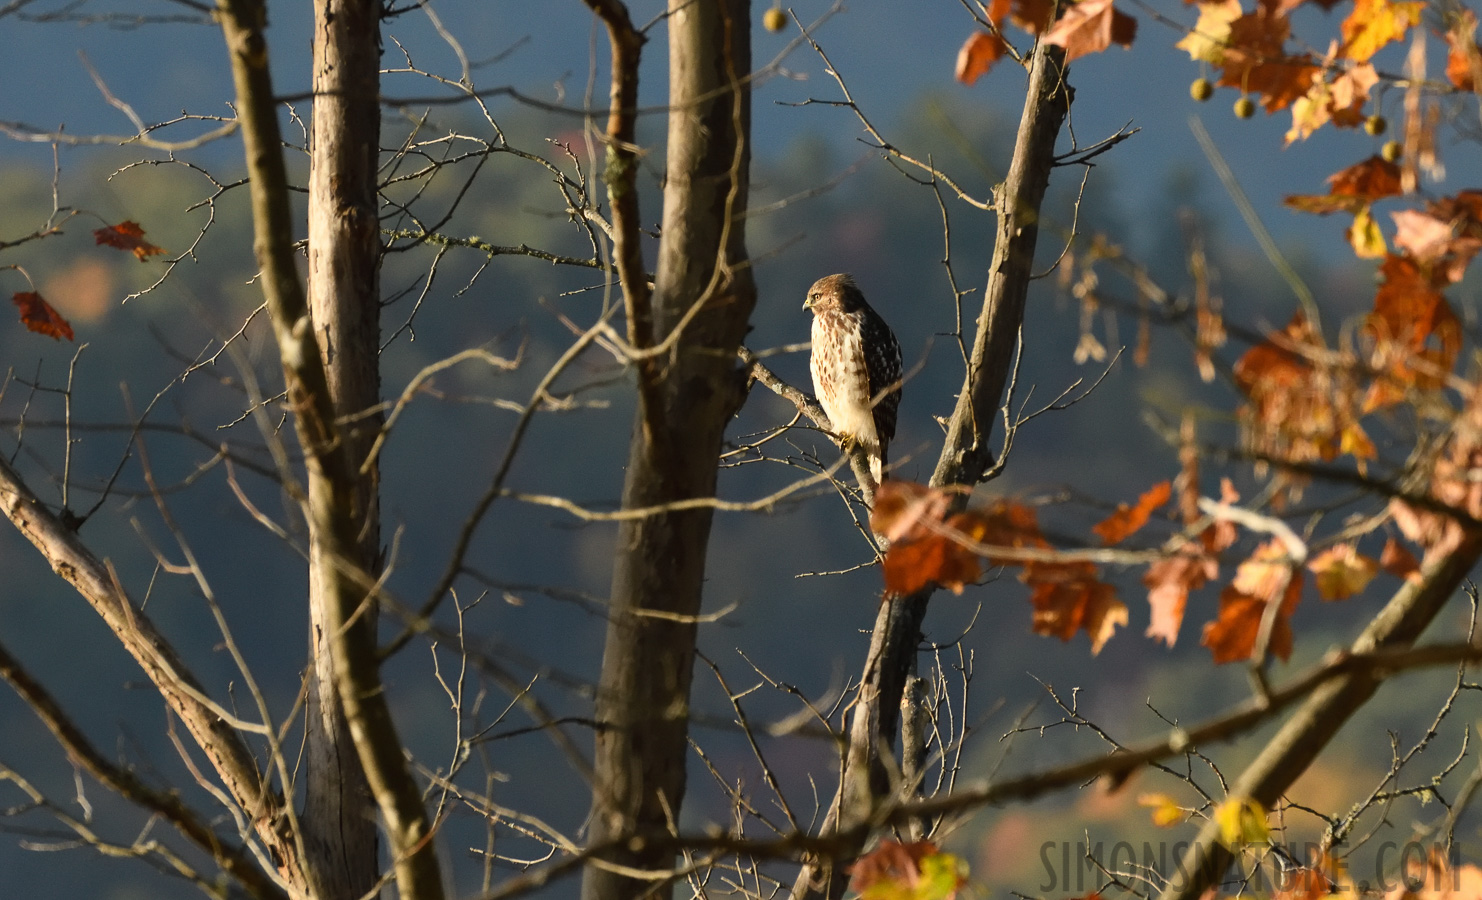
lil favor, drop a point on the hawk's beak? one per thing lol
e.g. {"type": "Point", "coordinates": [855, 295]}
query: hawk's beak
{"type": "Point", "coordinates": [808, 303]}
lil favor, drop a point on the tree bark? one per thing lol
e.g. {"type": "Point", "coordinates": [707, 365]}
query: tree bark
{"type": "Point", "coordinates": [335, 528]}
{"type": "Point", "coordinates": [344, 300]}
{"type": "Point", "coordinates": [702, 300]}
{"type": "Point", "coordinates": [964, 459]}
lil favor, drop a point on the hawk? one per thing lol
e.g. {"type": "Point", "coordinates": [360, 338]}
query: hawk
{"type": "Point", "coordinates": [856, 368]}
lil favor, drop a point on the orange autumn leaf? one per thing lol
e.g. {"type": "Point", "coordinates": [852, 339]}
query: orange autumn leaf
{"type": "Point", "coordinates": [40, 317]}
{"type": "Point", "coordinates": [1166, 811]}
{"type": "Point", "coordinates": [1341, 571]}
{"type": "Point", "coordinates": [1169, 582]}
{"type": "Point", "coordinates": [978, 54]}
{"type": "Point", "coordinates": [1068, 598]}
{"type": "Point", "coordinates": [1352, 189]}
{"type": "Point", "coordinates": [1128, 519]}
{"type": "Point", "coordinates": [1374, 23]}
{"type": "Point", "coordinates": [1267, 577]}
{"type": "Point", "coordinates": [129, 236]}
{"type": "Point", "coordinates": [1398, 561]}
{"type": "Point", "coordinates": [1254, 59]}
{"type": "Point", "coordinates": [1090, 26]}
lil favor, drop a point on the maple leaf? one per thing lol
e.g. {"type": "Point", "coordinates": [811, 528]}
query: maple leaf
{"type": "Point", "coordinates": [1166, 811]}
{"type": "Point", "coordinates": [1341, 571]}
{"type": "Point", "coordinates": [40, 317]}
{"type": "Point", "coordinates": [127, 235]}
{"type": "Point", "coordinates": [1409, 310]}
{"type": "Point", "coordinates": [1242, 821]}
{"type": "Point", "coordinates": [1374, 23]}
{"type": "Point", "coordinates": [1255, 59]}
{"type": "Point", "coordinates": [1266, 577]}
{"type": "Point", "coordinates": [978, 54]}
{"type": "Point", "coordinates": [1090, 26]}
{"type": "Point", "coordinates": [1206, 40]}
{"type": "Point", "coordinates": [1128, 519]}
{"type": "Point", "coordinates": [1340, 101]}
{"type": "Point", "coordinates": [1398, 561]}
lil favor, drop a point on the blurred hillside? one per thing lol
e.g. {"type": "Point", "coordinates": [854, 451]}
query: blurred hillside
{"type": "Point", "coordinates": [538, 613]}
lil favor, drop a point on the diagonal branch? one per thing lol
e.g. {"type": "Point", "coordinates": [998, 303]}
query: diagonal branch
{"type": "Point", "coordinates": [126, 784]}
{"type": "Point", "coordinates": [213, 733]}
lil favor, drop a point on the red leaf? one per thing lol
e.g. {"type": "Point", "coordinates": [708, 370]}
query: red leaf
{"type": "Point", "coordinates": [40, 317]}
{"type": "Point", "coordinates": [127, 236]}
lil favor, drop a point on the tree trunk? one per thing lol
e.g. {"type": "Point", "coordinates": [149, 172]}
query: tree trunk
{"type": "Point", "coordinates": [702, 300]}
{"type": "Point", "coordinates": [966, 456]}
{"type": "Point", "coordinates": [344, 299]}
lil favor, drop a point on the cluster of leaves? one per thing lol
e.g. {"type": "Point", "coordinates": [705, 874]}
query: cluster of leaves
{"type": "Point", "coordinates": [41, 317]}
{"type": "Point", "coordinates": [930, 543]}
{"type": "Point", "coordinates": [915, 871]}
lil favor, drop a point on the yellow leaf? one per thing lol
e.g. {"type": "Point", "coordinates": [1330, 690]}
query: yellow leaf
{"type": "Point", "coordinates": [1166, 811]}
{"type": "Point", "coordinates": [1207, 39]}
{"type": "Point", "coordinates": [1365, 236]}
{"type": "Point", "coordinates": [1342, 571]}
{"type": "Point", "coordinates": [1242, 821]}
{"type": "Point", "coordinates": [1375, 23]}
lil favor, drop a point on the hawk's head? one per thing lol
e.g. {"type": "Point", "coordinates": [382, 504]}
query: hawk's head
{"type": "Point", "coordinates": [835, 292]}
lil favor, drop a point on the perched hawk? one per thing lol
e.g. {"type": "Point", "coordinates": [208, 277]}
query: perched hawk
{"type": "Point", "coordinates": [856, 368]}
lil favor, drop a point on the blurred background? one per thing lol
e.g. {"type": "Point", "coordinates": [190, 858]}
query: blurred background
{"type": "Point", "coordinates": [792, 586]}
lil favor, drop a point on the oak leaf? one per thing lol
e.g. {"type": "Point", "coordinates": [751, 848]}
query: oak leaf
{"type": "Point", "coordinates": [1128, 519]}
{"type": "Point", "coordinates": [1068, 598]}
{"type": "Point", "coordinates": [127, 235]}
{"type": "Point", "coordinates": [1267, 577]}
{"type": "Point", "coordinates": [1169, 582]}
{"type": "Point", "coordinates": [1090, 26]}
{"type": "Point", "coordinates": [40, 317]}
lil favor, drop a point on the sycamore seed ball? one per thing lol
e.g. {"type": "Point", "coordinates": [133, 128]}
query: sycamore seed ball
{"type": "Point", "coordinates": [1392, 151]}
{"type": "Point", "coordinates": [1201, 89]}
{"type": "Point", "coordinates": [1376, 125]}
{"type": "Point", "coordinates": [1244, 108]}
{"type": "Point", "coordinates": [774, 19]}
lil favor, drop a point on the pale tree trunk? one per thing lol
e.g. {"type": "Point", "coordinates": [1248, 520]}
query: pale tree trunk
{"type": "Point", "coordinates": [336, 518]}
{"type": "Point", "coordinates": [344, 300]}
{"type": "Point", "coordinates": [702, 299]}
